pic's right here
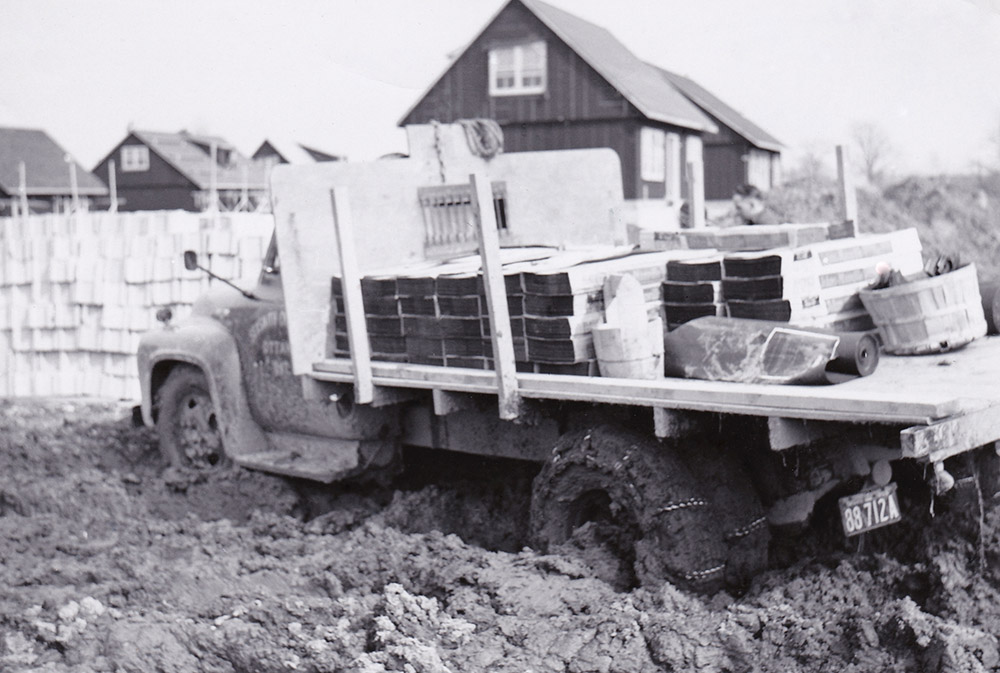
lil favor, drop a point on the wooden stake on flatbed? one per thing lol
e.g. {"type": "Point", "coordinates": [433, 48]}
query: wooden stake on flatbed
{"type": "Point", "coordinates": [350, 280]}
{"type": "Point", "coordinates": [496, 297]}
{"type": "Point", "coordinates": [847, 198]}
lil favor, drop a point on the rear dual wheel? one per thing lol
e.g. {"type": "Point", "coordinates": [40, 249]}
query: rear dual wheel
{"type": "Point", "coordinates": [642, 497]}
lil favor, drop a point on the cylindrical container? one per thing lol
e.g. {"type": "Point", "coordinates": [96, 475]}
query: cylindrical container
{"type": "Point", "coordinates": [928, 315]}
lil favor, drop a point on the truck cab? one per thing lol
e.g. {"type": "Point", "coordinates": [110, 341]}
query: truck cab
{"type": "Point", "coordinates": [219, 388]}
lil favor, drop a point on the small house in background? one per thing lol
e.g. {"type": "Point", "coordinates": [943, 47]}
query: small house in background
{"type": "Point", "coordinates": [555, 81]}
{"type": "Point", "coordinates": [290, 152]}
{"type": "Point", "coordinates": [183, 171]}
{"type": "Point", "coordinates": [739, 151]}
{"type": "Point", "coordinates": [35, 170]}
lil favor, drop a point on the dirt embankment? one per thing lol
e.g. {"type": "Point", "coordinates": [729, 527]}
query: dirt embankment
{"type": "Point", "coordinates": [110, 562]}
{"type": "Point", "coordinates": [954, 215]}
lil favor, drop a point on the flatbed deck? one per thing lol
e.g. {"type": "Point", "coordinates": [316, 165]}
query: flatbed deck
{"type": "Point", "coordinates": [955, 396]}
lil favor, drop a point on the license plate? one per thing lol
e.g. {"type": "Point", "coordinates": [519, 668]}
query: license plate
{"type": "Point", "coordinates": [869, 510]}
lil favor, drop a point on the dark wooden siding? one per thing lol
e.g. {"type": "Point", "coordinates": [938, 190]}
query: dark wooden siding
{"type": "Point", "coordinates": [725, 169]}
{"type": "Point", "coordinates": [162, 187]}
{"type": "Point", "coordinates": [574, 90]}
{"type": "Point", "coordinates": [158, 198]}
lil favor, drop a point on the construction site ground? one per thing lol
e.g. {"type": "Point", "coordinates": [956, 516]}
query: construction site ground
{"type": "Point", "coordinates": [111, 561]}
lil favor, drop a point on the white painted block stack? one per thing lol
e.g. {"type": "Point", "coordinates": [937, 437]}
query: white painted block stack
{"type": "Point", "coordinates": [78, 291]}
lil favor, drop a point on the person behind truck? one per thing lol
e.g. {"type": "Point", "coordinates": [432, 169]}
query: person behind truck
{"type": "Point", "coordinates": [752, 208]}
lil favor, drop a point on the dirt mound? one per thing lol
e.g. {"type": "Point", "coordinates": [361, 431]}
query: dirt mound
{"type": "Point", "coordinates": [953, 214]}
{"type": "Point", "coordinates": [110, 562]}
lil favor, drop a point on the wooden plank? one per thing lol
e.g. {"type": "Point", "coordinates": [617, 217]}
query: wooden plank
{"type": "Point", "coordinates": [847, 198]}
{"type": "Point", "coordinates": [448, 403]}
{"type": "Point", "coordinates": [952, 436]}
{"type": "Point", "coordinates": [787, 433]}
{"type": "Point", "coordinates": [844, 402]}
{"type": "Point", "coordinates": [496, 298]}
{"type": "Point", "coordinates": [350, 281]}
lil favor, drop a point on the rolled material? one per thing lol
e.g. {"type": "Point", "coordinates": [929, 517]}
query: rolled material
{"type": "Point", "coordinates": [857, 354]}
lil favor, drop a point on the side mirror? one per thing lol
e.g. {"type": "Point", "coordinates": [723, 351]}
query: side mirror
{"type": "Point", "coordinates": [190, 260]}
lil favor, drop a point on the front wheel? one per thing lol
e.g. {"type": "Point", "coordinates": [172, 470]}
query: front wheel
{"type": "Point", "coordinates": [187, 422]}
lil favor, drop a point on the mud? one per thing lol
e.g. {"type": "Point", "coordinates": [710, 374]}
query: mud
{"type": "Point", "coordinates": [112, 562]}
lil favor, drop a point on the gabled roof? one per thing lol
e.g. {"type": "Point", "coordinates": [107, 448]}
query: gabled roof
{"type": "Point", "coordinates": [637, 81]}
{"type": "Point", "coordinates": [45, 167]}
{"type": "Point", "coordinates": [714, 106]}
{"type": "Point", "coordinates": [181, 151]}
{"type": "Point", "coordinates": [292, 152]}
{"type": "Point", "coordinates": [640, 83]}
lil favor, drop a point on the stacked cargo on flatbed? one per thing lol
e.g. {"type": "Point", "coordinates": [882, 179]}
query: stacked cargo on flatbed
{"type": "Point", "coordinates": [436, 312]}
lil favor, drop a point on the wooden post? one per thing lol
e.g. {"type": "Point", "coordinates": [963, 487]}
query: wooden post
{"type": "Point", "coordinates": [496, 297]}
{"type": "Point", "coordinates": [350, 281]}
{"type": "Point", "coordinates": [847, 198]}
{"type": "Point", "coordinates": [696, 193]}
{"type": "Point", "coordinates": [113, 186]}
{"type": "Point", "coordinates": [213, 186]}
{"type": "Point", "coordinates": [74, 188]}
{"type": "Point", "coordinates": [694, 172]}
{"type": "Point", "coordinates": [22, 188]}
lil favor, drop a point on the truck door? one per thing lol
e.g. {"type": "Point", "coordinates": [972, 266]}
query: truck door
{"type": "Point", "coordinates": [275, 394]}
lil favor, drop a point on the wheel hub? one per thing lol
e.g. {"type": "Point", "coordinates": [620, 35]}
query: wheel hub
{"type": "Point", "coordinates": [199, 438]}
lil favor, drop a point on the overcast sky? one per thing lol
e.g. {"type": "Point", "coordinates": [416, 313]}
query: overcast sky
{"type": "Point", "coordinates": [339, 74]}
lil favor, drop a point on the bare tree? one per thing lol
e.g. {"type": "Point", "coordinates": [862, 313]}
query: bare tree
{"type": "Point", "coordinates": [874, 151]}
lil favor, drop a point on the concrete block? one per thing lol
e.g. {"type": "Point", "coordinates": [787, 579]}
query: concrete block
{"type": "Point", "coordinates": [66, 340]}
{"type": "Point", "coordinates": [83, 292]}
{"type": "Point", "coordinates": [140, 319]}
{"type": "Point", "coordinates": [138, 270]}
{"type": "Point", "coordinates": [139, 246]}
{"type": "Point", "coordinates": [225, 266]}
{"type": "Point", "coordinates": [160, 294]}
{"type": "Point", "coordinates": [88, 248]}
{"type": "Point", "coordinates": [113, 247]}
{"type": "Point", "coordinates": [164, 268]}
{"type": "Point", "coordinates": [136, 295]}
{"type": "Point", "coordinates": [113, 317]}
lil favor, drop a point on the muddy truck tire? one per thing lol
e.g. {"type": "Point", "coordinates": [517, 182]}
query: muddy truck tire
{"type": "Point", "coordinates": [629, 483]}
{"type": "Point", "coordinates": [738, 508]}
{"type": "Point", "coordinates": [186, 422]}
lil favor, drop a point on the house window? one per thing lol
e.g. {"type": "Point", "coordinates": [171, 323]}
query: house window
{"type": "Point", "coordinates": [652, 154]}
{"type": "Point", "coordinates": [135, 158]}
{"type": "Point", "coordinates": [518, 70]}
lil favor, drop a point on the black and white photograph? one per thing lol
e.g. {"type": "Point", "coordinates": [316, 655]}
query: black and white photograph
{"type": "Point", "coordinates": [500, 336]}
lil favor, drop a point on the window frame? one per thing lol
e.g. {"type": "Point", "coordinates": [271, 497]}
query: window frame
{"type": "Point", "coordinates": [134, 158]}
{"type": "Point", "coordinates": [652, 154]}
{"type": "Point", "coordinates": [517, 52]}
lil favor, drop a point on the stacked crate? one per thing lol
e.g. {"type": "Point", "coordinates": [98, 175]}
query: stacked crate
{"type": "Point", "coordinates": [693, 289]}
{"type": "Point", "coordinates": [439, 315]}
{"type": "Point", "coordinates": [78, 291]}
{"type": "Point", "coordinates": [815, 285]}
{"type": "Point", "coordinates": [428, 319]}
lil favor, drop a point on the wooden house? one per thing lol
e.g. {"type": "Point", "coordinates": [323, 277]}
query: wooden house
{"type": "Point", "coordinates": [555, 81]}
{"type": "Point", "coordinates": [35, 170]}
{"type": "Point", "coordinates": [739, 152]}
{"type": "Point", "coordinates": [182, 171]}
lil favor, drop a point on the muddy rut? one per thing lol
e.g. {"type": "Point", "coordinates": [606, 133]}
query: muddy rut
{"type": "Point", "coordinates": [110, 561]}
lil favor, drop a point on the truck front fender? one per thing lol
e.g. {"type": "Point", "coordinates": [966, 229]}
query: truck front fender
{"type": "Point", "coordinates": [206, 344]}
